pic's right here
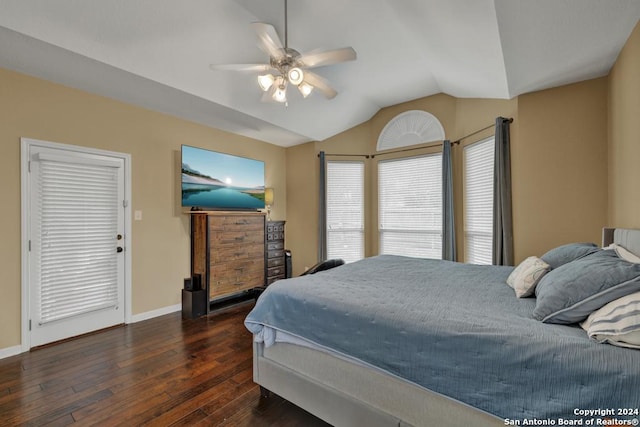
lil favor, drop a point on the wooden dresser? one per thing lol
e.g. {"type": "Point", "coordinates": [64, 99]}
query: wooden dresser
{"type": "Point", "coordinates": [275, 251]}
{"type": "Point", "coordinates": [228, 251]}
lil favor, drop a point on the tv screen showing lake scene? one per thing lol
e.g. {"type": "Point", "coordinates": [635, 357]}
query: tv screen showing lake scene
{"type": "Point", "coordinates": [212, 180]}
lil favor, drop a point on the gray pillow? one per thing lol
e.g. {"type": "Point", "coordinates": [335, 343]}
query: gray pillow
{"type": "Point", "coordinates": [566, 253]}
{"type": "Point", "coordinates": [571, 292]}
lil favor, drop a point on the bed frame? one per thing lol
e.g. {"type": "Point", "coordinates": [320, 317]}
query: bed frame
{"type": "Point", "coordinates": [344, 393]}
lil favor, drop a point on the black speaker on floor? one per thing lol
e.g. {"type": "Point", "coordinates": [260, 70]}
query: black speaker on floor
{"type": "Point", "coordinates": [194, 303]}
{"type": "Point", "coordinates": [288, 266]}
{"type": "Point", "coordinates": [197, 282]}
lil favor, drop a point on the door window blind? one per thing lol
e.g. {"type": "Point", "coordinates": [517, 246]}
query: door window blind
{"type": "Point", "coordinates": [77, 208]}
{"type": "Point", "coordinates": [345, 210]}
{"type": "Point", "coordinates": [410, 206]}
{"type": "Point", "coordinates": [478, 201]}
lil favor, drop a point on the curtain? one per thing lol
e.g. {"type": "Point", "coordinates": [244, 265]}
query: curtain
{"type": "Point", "coordinates": [502, 217]}
{"type": "Point", "coordinates": [448, 223]}
{"type": "Point", "coordinates": [322, 209]}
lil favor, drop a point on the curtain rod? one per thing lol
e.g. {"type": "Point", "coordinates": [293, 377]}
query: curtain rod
{"type": "Point", "coordinates": [428, 145]}
{"type": "Point", "coordinates": [346, 155]}
{"type": "Point", "coordinates": [478, 131]}
{"type": "Point", "coordinates": [371, 156]}
{"type": "Point", "coordinates": [416, 148]}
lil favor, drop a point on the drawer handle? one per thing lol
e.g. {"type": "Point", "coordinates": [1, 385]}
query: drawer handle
{"type": "Point", "coordinates": [243, 222]}
{"type": "Point", "coordinates": [239, 238]}
{"type": "Point", "coordinates": [240, 269]}
{"type": "Point", "coordinates": [238, 284]}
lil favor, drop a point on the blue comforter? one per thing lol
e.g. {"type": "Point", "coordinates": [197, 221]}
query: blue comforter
{"type": "Point", "coordinates": [456, 329]}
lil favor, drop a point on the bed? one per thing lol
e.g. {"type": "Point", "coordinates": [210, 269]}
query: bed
{"type": "Point", "coordinates": [395, 341]}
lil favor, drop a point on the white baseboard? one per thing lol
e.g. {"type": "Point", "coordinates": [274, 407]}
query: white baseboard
{"type": "Point", "coordinates": [155, 313]}
{"type": "Point", "coordinates": [10, 351]}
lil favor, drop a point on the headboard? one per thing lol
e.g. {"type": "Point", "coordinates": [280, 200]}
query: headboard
{"type": "Point", "coordinates": [628, 238]}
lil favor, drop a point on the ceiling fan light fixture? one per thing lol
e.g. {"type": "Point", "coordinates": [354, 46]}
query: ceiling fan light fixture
{"type": "Point", "coordinates": [265, 81]}
{"type": "Point", "coordinates": [280, 90]}
{"type": "Point", "coordinates": [295, 75]}
{"type": "Point", "coordinates": [288, 66]}
{"type": "Point", "coordinates": [305, 89]}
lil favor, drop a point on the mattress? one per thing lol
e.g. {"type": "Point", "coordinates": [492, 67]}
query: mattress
{"type": "Point", "coordinates": [455, 329]}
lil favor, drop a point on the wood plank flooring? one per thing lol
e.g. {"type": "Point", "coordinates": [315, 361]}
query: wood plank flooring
{"type": "Point", "coordinates": [161, 372]}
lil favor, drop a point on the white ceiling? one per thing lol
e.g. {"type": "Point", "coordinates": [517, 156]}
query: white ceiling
{"type": "Point", "coordinates": [156, 53]}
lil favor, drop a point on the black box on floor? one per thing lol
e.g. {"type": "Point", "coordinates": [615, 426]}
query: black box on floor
{"type": "Point", "coordinates": [194, 303]}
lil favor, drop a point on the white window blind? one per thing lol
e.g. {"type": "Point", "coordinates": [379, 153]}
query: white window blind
{"type": "Point", "coordinates": [77, 209]}
{"type": "Point", "coordinates": [410, 206]}
{"type": "Point", "coordinates": [478, 201]}
{"type": "Point", "coordinates": [345, 210]}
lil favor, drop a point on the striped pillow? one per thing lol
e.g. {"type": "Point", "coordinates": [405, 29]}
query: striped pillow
{"type": "Point", "coordinates": [617, 322]}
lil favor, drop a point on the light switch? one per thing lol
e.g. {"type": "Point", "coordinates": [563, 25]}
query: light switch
{"type": "Point", "coordinates": [137, 215]}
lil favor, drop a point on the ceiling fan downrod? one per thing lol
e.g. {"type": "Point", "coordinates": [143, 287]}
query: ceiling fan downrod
{"type": "Point", "coordinates": [286, 27]}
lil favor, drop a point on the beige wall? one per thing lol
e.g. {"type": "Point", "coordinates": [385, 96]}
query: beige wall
{"type": "Point", "coordinates": [624, 136]}
{"type": "Point", "coordinates": [38, 109]}
{"type": "Point", "coordinates": [559, 168]}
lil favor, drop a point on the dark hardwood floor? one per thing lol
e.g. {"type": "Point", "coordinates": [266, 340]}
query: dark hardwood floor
{"type": "Point", "coordinates": [162, 372]}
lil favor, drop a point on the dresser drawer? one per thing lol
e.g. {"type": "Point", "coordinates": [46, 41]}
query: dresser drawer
{"type": "Point", "coordinates": [234, 237]}
{"type": "Point", "coordinates": [236, 276]}
{"type": "Point", "coordinates": [275, 262]}
{"type": "Point", "coordinates": [270, 280]}
{"type": "Point", "coordinates": [236, 223]}
{"type": "Point", "coordinates": [230, 253]}
{"type": "Point", "coordinates": [275, 245]}
{"type": "Point", "coordinates": [276, 235]}
{"type": "Point", "coordinates": [275, 226]}
{"type": "Point", "coordinates": [275, 271]}
{"type": "Point", "coordinates": [275, 254]}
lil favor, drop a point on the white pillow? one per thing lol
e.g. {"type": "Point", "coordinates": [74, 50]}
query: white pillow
{"type": "Point", "coordinates": [526, 276]}
{"type": "Point", "coordinates": [624, 253]}
{"type": "Point", "coordinates": [617, 322]}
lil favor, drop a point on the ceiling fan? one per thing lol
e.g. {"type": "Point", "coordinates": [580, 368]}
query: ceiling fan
{"type": "Point", "coordinates": [287, 66]}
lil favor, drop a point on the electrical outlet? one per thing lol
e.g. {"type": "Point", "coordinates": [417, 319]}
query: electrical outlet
{"type": "Point", "coordinates": [137, 215]}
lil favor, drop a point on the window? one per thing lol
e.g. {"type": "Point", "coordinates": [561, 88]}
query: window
{"type": "Point", "coordinates": [345, 210]}
{"type": "Point", "coordinates": [410, 206]}
{"type": "Point", "coordinates": [478, 201]}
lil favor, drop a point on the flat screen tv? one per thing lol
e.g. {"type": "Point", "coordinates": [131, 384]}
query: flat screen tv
{"type": "Point", "coordinates": [219, 181]}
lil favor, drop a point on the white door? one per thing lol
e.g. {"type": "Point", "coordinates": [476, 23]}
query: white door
{"type": "Point", "coordinates": [76, 242]}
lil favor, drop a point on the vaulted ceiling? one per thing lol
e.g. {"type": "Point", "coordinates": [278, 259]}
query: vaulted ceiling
{"type": "Point", "coordinates": [156, 53]}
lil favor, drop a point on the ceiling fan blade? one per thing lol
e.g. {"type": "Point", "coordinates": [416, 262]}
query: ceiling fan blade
{"type": "Point", "coordinates": [240, 67]}
{"type": "Point", "coordinates": [320, 83]}
{"type": "Point", "coordinates": [268, 39]}
{"type": "Point", "coordinates": [329, 57]}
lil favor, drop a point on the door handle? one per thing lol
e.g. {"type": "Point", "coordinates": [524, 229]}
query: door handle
{"type": "Point", "coordinates": [119, 249]}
